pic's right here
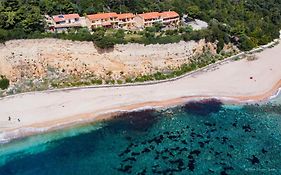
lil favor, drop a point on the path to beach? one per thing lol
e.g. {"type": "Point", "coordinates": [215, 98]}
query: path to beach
{"type": "Point", "coordinates": [241, 80]}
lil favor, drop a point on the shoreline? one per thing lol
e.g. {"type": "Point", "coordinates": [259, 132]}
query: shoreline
{"type": "Point", "coordinates": [83, 119]}
{"type": "Point", "coordinates": [237, 82]}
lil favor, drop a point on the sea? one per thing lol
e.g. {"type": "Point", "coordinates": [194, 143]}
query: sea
{"type": "Point", "coordinates": [199, 137]}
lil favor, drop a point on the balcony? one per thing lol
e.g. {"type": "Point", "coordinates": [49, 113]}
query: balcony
{"type": "Point", "coordinates": [66, 25]}
{"type": "Point", "coordinates": [153, 21]}
{"type": "Point", "coordinates": [170, 20]}
{"type": "Point", "coordinates": [126, 22]}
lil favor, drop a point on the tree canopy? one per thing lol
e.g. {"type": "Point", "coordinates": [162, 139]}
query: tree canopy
{"type": "Point", "coordinates": [254, 22]}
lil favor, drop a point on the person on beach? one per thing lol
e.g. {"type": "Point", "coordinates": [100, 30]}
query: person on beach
{"type": "Point", "coordinates": [18, 120]}
{"type": "Point", "coordinates": [9, 118]}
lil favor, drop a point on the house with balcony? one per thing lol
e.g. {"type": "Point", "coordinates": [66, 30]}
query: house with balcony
{"type": "Point", "coordinates": [170, 18]}
{"type": "Point", "coordinates": [109, 20]}
{"type": "Point", "coordinates": [64, 22]}
{"type": "Point", "coordinates": [147, 19]}
{"type": "Point", "coordinates": [126, 21]}
{"type": "Point", "coordinates": [167, 18]}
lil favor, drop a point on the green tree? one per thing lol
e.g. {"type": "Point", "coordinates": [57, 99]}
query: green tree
{"type": "Point", "coordinates": [246, 43]}
{"type": "Point", "coordinates": [193, 11]}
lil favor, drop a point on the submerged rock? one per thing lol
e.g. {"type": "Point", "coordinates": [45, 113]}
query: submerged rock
{"type": "Point", "coordinates": [254, 160]}
{"type": "Point", "coordinates": [203, 107]}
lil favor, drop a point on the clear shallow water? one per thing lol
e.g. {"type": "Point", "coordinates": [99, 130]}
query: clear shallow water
{"type": "Point", "coordinates": [197, 138]}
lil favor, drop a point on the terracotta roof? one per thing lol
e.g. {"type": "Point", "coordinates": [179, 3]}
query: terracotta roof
{"type": "Point", "coordinates": [151, 15]}
{"type": "Point", "coordinates": [59, 18]}
{"type": "Point", "coordinates": [125, 15]}
{"type": "Point", "coordinates": [169, 14]}
{"type": "Point", "coordinates": [102, 16]}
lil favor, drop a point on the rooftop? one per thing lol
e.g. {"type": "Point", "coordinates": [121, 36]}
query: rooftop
{"type": "Point", "coordinates": [150, 15]}
{"type": "Point", "coordinates": [169, 14]}
{"type": "Point", "coordinates": [125, 15]}
{"type": "Point", "coordinates": [102, 16]}
{"type": "Point", "coordinates": [59, 18]}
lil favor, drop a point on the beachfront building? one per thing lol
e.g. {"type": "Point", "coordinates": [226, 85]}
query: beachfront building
{"type": "Point", "coordinates": [147, 19]}
{"type": "Point", "coordinates": [64, 22]}
{"type": "Point", "coordinates": [126, 21]}
{"type": "Point", "coordinates": [109, 20]}
{"type": "Point", "coordinates": [170, 18]}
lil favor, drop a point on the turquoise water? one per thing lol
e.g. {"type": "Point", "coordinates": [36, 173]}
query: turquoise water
{"type": "Point", "coordinates": [204, 137]}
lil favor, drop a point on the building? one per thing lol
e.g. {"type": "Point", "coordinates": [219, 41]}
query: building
{"type": "Point", "coordinates": [147, 19]}
{"type": "Point", "coordinates": [109, 20]}
{"type": "Point", "coordinates": [126, 21]}
{"type": "Point", "coordinates": [170, 18]}
{"type": "Point", "coordinates": [64, 22]}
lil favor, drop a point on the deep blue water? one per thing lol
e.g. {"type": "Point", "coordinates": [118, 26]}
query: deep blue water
{"type": "Point", "coordinates": [204, 137]}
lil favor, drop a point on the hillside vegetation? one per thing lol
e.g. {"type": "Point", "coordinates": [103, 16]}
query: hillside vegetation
{"type": "Point", "coordinates": [244, 23]}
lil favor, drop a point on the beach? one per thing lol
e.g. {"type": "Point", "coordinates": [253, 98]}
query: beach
{"type": "Point", "coordinates": [236, 81]}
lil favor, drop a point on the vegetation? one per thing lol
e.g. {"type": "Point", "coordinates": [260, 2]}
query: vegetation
{"type": "Point", "coordinates": [4, 82]}
{"type": "Point", "coordinates": [196, 63]}
{"type": "Point", "coordinates": [230, 21]}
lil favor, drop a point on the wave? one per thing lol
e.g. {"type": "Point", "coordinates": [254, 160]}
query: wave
{"type": "Point", "coordinates": [276, 94]}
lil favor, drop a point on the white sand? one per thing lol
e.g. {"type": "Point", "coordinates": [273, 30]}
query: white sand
{"type": "Point", "coordinates": [42, 109]}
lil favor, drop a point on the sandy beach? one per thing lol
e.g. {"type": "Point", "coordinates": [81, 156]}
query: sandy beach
{"type": "Point", "coordinates": [241, 80]}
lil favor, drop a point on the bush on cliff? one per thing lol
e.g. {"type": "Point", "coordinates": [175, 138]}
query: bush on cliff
{"type": "Point", "coordinates": [4, 82]}
{"type": "Point", "coordinates": [105, 42]}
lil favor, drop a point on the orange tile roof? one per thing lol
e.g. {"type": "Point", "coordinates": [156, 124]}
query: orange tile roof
{"type": "Point", "coordinates": [125, 15]}
{"type": "Point", "coordinates": [59, 18]}
{"type": "Point", "coordinates": [102, 16]}
{"type": "Point", "coordinates": [150, 15]}
{"type": "Point", "coordinates": [169, 14]}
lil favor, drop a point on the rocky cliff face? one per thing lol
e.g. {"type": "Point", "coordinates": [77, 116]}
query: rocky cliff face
{"type": "Point", "coordinates": [46, 59]}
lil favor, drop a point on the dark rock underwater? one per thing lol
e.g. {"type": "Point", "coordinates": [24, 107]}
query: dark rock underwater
{"type": "Point", "coordinates": [203, 137]}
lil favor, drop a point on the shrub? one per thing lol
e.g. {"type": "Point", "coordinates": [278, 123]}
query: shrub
{"type": "Point", "coordinates": [105, 43]}
{"type": "Point", "coordinates": [4, 82]}
{"type": "Point", "coordinates": [129, 80]}
{"type": "Point", "coordinates": [3, 35]}
{"type": "Point", "coordinates": [97, 81]}
{"type": "Point", "coordinates": [119, 81]}
{"type": "Point", "coordinates": [246, 43]}
{"type": "Point", "coordinates": [171, 32]}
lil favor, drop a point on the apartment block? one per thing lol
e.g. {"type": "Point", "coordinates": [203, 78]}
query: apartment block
{"type": "Point", "coordinates": [168, 18]}
{"type": "Point", "coordinates": [109, 20]}
{"type": "Point", "coordinates": [126, 21]}
{"type": "Point", "coordinates": [63, 22]}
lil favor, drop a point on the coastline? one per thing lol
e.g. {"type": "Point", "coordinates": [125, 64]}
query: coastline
{"type": "Point", "coordinates": [83, 119]}
{"type": "Point", "coordinates": [57, 110]}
